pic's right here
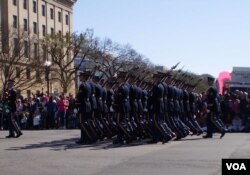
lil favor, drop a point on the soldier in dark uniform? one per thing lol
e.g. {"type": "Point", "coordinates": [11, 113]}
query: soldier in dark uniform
{"type": "Point", "coordinates": [133, 99]}
{"type": "Point", "coordinates": [12, 97]}
{"type": "Point", "coordinates": [110, 85]}
{"type": "Point", "coordinates": [177, 114]}
{"type": "Point", "coordinates": [99, 92]}
{"type": "Point", "coordinates": [84, 105]}
{"type": "Point", "coordinates": [105, 113]}
{"type": "Point", "coordinates": [123, 109]}
{"type": "Point", "coordinates": [142, 121]}
{"type": "Point", "coordinates": [213, 107]}
{"type": "Point", "coordinates": [165, 101]}
{"type": "Point", "coordinates": [187, 111]}
{"type": "Point", "coordinates": [160, 132]}
{"type": "Point", "coordinates": [193, 111]}
{"type": "Point", "coordinates": [146, 109]}
{"type": "Point", "coordinates": [94, 123]}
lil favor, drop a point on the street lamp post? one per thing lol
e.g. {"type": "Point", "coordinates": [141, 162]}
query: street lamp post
{"type": "Point", "coordinates": [47, 65]}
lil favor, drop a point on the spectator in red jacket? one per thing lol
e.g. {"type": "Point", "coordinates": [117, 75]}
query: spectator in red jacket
{"type": "Point", "coordinates": [62, 108]}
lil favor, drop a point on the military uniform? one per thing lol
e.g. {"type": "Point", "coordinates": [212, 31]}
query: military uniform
{"type": "Point", "coordinates": [161, 132]}
{"type": "Point", "coordinates": [122, 113]}
{"type": "Point", "coordinates": [193, 111]}
{"type": "Point", "coordinates": [214, 110]}
{"type": "Point", "coordinates": [12, 121]}
{"type": "Point", "coordinates": [83, 101]}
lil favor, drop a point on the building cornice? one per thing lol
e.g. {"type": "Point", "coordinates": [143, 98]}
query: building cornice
{"type": "Point", "coordinates": [68, 3]}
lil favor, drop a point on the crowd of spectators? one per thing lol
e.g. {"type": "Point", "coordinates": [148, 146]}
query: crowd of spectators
{"type": "Point", "coordinates": [235, 110]}
{"type": "Point", "coordinates": [42, 112]}
{"type": "Point", "coordinates": [59, 112]}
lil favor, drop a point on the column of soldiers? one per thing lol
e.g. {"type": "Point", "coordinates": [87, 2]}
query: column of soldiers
{"type": "Point", "coordinates": [127, 108]}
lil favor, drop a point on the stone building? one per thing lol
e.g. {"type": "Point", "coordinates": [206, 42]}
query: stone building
{"type": "Point", "coordinates": [34, 19]}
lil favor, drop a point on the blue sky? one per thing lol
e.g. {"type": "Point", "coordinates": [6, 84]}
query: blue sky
{"type": "Point", "coordinates": [206, 36]}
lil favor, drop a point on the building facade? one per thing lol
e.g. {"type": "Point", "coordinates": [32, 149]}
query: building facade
{"type": "Point", "coordinates": [36, 19]}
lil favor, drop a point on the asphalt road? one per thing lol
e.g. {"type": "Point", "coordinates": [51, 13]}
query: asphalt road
{"type": "Point", "coordinates": [54, 152]}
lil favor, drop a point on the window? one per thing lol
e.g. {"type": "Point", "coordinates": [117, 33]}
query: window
{"type": "Point", "coordinates": [67, 19]}
{"type": "Point", "coordinates": [14, 2]}
{"type": "Point", "coordinates": [15, 47]}
{"type": "Point", "coordinates": [25, 24]}
{"type": "Point", "coordinates": [26, 49]}
{"type": "Point", "coordinates": [60, 33]}
{"type": "Point", "coordinates": [28, 73]}
{"type": "Point", "coordinates": [34, 27]}
{"type": "Point", "coordinates": [44, 30]}
{"type": "Point", "coordinates": [43, 10]}
{"type": "Point", "coordinates": [59, 17]}
{"type": "Point", "coordinates": [44, 53]}
{"type": "Point", "coordinates": [18, 72]}
{"type": "Point", "coordinates": [52, 31]}
{"type": "Point", "coordinates": [34, 6]}
{"type": "Point", "coordinates": [35, 50]}
{"type": "Point", "coordinates": [25, 4]}
{"type": "Point", "coordinates": [51, 13]}
{"type": "Point", "coordinates": [38, 76]}
{"type": "Point", "coordinates": [14, 21]}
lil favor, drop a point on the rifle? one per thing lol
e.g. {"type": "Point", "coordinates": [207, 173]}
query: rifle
{"type": "Point", "coordinates": [82, 127]}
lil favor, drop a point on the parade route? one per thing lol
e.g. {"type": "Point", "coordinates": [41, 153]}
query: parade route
{"type": "Point", "coordinates": [54, 152]}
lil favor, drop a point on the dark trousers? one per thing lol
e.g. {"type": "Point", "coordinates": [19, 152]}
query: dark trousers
{"type": "Point", "coordinates": [86, 130]}
{"type": "Point", "coordinates": [124, 131]}
{"type": "Point", "coordinates": [158, 133]}
{"type": "Point", "coordinates": [50, 122]}
{"type": "Point", "coordinates": [12, 124]}
{"type": "Point", "coordinates": [61, 117]}
{"type": "Point", "coordinates": [210, 128]}
{"type": "Point", "coordinates": [214, 122]}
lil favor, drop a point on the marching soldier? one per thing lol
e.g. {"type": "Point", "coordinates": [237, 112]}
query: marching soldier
{"type": "Point", "coordinates": [133, 99]}
{"type": "Point", "coordinates": [84, 105]}
{"type": "Point", "coordinates": [99, 91]}
{"type": "Point", "coordinates": [213, 106]}
{"type": "Point", "coordinates": [160, 132]}
{"type": "Point", "coordinates": [123, 109]}
{"type": "Point", "coordinates": [187, 111]}
{"type": "Point", "coordinates": [173, 119]}
{"type": "Point", "coordinates": [110, 104]}
{"type": "Point", "coordinates": [105, 113]}
{"type": "Point", "coordinates": [13, 126]}
{"type": "Point", "coordinates": [93, 122]}
{"type": "Point", "coordinates": [193, 111]}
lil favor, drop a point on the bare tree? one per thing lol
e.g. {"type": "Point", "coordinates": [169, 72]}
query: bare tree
{"type": "Point", "coordinates": [64, 50]}
{"type": "Point", "coordinates": [16, 60]}
{"type": "Point", "coordinates": [111, 58]}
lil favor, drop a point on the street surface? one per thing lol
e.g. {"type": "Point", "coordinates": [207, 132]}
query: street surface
{"type": "Point", "coordinates": [54, 152]}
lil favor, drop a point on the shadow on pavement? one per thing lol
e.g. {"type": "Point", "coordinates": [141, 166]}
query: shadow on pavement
{"type": "Point", "coordinates": [67, 144]}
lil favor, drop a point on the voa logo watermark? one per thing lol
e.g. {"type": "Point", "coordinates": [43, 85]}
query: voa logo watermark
{"type": "Point", "coordinates": [235, 166]}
